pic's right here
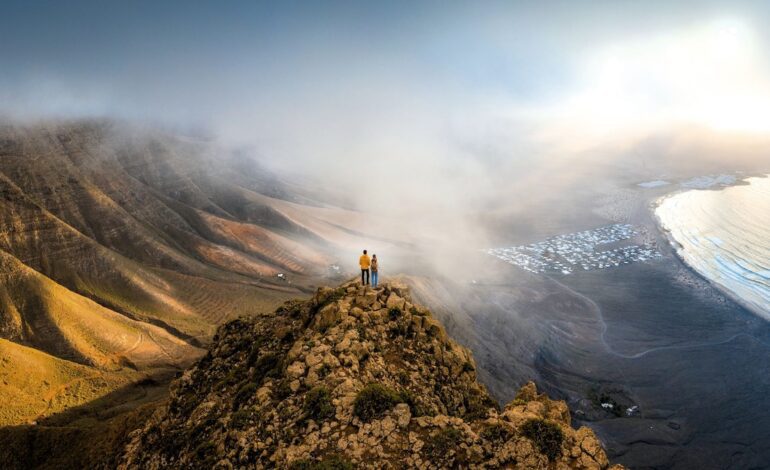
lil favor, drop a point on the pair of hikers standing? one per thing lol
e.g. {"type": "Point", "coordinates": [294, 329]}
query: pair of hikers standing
{"type": "Point", "coordinates": [368, 264]}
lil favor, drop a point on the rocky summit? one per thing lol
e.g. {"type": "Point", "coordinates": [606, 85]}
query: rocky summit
{"type": "Point", "coordinates": [356, 377]}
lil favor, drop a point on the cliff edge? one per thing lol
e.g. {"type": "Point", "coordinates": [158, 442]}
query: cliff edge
{"type": "Point", "coordinates": [353, 378]}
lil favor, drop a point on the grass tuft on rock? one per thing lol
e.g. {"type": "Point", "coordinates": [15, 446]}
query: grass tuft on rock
{"type": "Point", "coordinates": [546, 436]}
{"type": "Point", "coordinates": [497, 433]}
{"type": "Point", "coordinates": [318, 404]}
{"type": "Point", "coordinates": [333, 462]}
{"type": "Point", "coordinates": [394, 313]}
{"type": "Point", "coordinates": [444, 441]}
{"type": "Point", "coordinates": [241, 419]}
{"type": "Point", "coordinates": [267, 365]}
{"type": "Point", "coordinates": [374, 401]}
{"type": "Point", "coordinates": [245, 393]}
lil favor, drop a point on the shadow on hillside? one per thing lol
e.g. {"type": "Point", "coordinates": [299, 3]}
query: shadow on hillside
{"type": "Point", "coordinates": [88, 435]}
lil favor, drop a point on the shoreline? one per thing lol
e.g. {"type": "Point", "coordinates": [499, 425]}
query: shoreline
{"type": "Point", "coordinates": [676, 246]}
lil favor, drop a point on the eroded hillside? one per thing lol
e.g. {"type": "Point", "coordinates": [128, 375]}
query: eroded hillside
{"type": "Point", "coordinates": [122, 249]}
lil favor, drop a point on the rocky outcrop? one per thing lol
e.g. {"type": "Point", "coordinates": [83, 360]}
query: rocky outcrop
{"type": "Point", "coordinates": [354, 378]}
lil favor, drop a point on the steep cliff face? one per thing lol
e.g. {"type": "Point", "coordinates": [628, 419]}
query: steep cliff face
{"type": "Point", "coordinates": [354, 378]}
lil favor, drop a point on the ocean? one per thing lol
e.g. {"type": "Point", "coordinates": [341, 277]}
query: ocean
{"type": "Point", "coordinates": [724, 234]}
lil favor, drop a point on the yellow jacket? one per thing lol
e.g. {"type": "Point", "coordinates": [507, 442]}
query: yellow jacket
{"type": "Point", "coordinates": [364, 261]}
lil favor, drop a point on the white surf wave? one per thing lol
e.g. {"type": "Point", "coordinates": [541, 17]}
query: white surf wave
{"type": "Point", "coordinates": [725, 236]}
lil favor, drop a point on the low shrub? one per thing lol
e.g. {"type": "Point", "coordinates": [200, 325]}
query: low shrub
{"type": "Point", "coordinates": [245, 393]}
{"type": "Point", "coordinates": [414, 311]}
{"type": "Point", "coordinates": [206, 454]}
{"type": "Point", "coordinates": [323, 371]}
{"type": "Point", "coordinates": [282, 390]}
{"type": "Point", "coordinates": [268, 365]}
{"type": "Point", "coordinates": [445, 440]}
{"type": "Point", "coordinates": [400, 329]}
{"type": "Point", "coordinates": [601, 398]}
{"type": "Point", "coordinates": [546, 436]}
{"type": "Point", "coordinates": [374, 400]}
{"type": "Point", "coordinates": [333, 462]}
{"type": "Point", "coordinates": [318, 404]}
{"type": "Point", "coordinates": [403, 377]}
{"type": "Point", "coordinates": [232, 377]}
{"type": "Point", "coordinates": [497, 433]}
{"type": "Point", "coordinates": [477, 407]}
{"type": "Point", "coordinates": [256, 350]}
{"type": "Point", "coordinates": [292, 308]}
{"type": "Point", "coordinates": [240, 419]}
{"type": "Point", "coordinates": [394, 313]}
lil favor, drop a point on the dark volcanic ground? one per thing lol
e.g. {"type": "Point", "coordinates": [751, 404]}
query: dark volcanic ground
{"type": "Point", "coordinates": [694, 362]}
{"type": "Point", "coordinates": [652, 335]}
{"type": "Point", "coordinates": [649, 335]}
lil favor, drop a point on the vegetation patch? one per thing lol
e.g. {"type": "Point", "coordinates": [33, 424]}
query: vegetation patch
{"type": "Point", "coordinates": [445, 440]}
{"type": "Point", "coordinates": [374, 401]}
{"type": "Point", "coordinates": [546, 436]}
{"type": "Point", "coordinates": [403, 377]}
{"type": "Point", "coordinates": [605, 401]}
{"type": "Point", "coordinates": [332, 462]}
{"type": "Point", "coordinates": [324, 370]}
{"type": "Point", "coordinates": [206, 453]}
{"type": "Point", "coordinates": [414, 311]}
{"type": "Point", "coordinates": [477, 407]}
{"type": "Point", "coordinates": [361, 331]}
{"type": "Point", "coordinates": [401, 329]}
{"type": "Point", "coordinates": [287, 336]}
{"type": "Point", "coordinates": [318, 404]}
{"type": "Point", "coordinates": [256, 349]}
{"type": "Point", "coordinates": [394, 313]}
{"type": "Point", "coordinates": [268, 365]}
{"type": "Point", "coordinates": [292, 308]}
{"type": "Point", "coordinates": [244, 394]}
{"type": "Point", "coordinates": [233, 377]}
{"type": "Point", "coordinates": [185, 402]}
{"type": "Point", "coordinates": [241, 419]}
{"type": "Point", "coordinates": [497, 433]}
{"type": "Point", "coordinates": [282, 390]}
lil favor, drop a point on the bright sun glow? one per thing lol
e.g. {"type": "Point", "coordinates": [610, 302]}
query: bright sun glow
{"type": "Point", "coordinates": [712, 75]}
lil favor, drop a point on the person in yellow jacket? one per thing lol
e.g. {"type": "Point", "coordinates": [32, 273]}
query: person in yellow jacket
{"type": "Point", "coordinates": [364, 261]}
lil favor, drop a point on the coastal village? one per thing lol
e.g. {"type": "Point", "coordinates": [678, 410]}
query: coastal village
{"type": "Point", "coordinates": [564, 254]}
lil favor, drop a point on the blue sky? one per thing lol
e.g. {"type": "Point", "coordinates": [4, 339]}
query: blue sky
{"type": "Point", "coordinates": [140, 54]}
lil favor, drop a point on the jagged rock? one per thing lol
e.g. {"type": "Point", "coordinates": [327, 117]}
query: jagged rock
{"type": "Point", "coordinates": [403, 415]}
{"type": "Point", "coordinates": [394, 301]}
{"type": "Point", "coordinates": [373, 386]}
{"type": "Point", "coordinates": [297, 369]}
{"type": "Point", "coordinates": [328, 315]}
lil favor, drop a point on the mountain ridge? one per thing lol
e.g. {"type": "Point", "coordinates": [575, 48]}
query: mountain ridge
{"type": "Point", "coordinates": [353, 378]}
{"type": "Point", "coordinates": [122, 249]}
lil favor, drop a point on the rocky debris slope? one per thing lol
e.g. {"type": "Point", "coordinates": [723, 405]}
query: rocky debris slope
{"type": "Point", "coordinates": [354, 378]}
